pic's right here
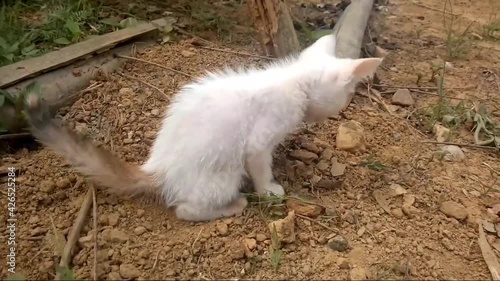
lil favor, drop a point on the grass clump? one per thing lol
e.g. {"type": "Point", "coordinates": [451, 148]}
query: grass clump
{"type": "Point", "coordinates": [458, 44]}
{"type": "Point", "coordinates": [475, 118]}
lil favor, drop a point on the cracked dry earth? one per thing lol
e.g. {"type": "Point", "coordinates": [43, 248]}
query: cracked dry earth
{"type": "Point", "coordinates": [389, 209]}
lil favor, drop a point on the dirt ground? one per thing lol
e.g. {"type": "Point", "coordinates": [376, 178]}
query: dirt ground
{"type": "Point", "coordinates": [429, 232]}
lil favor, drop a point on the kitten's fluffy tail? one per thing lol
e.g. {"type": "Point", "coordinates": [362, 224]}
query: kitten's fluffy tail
{"type": "Point", "coordinates": [98, 164]}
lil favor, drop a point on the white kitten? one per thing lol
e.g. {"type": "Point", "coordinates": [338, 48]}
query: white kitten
{"type": "Point", "coordinates": [217, 130]}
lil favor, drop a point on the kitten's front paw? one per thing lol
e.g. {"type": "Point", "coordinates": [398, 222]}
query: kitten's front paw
{"type": "Point", "coordinates": [274, 188]}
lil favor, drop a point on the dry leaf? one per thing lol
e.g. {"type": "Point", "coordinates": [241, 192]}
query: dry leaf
{"type": "Point", "coordinates": [381, 200]}
{"type": "Point", "coordinates": [488, 255]}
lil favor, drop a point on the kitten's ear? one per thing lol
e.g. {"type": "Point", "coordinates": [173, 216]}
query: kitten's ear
{"type": "Point", "coordinates": [365, 67]}
{"type": "Point", "coordinates": [322, 46]}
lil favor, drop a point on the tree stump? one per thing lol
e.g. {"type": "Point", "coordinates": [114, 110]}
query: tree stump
{"type": "Point", "coordinates": [273, 23]}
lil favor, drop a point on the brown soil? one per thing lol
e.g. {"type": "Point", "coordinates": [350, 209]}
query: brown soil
{"type": "Point", "coordinates": [417, 242]}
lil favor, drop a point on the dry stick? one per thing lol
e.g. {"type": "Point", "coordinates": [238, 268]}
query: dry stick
{"type": "Point", "coordinates": [145, 83]}
{"type": "Point", "coordinates": [491, 169]}
{"type": "Point", "coordinates": [94, 200]}
{"type": "Point", "coordinates": [13, 136]}
{"type": "Point", "coordinates": [317, 222]}
{"type": "Point", "coordinates": [425, 93]}
{"type": "Point", "coordinates": [33, 238]}
{"type": "Point", "coordinates": [418, 88]}
{"type": "Point", "coordinates": [435, 94]}
{"type": "Point", "coordinates": [463, 145]}
{"type": "Point", "coordinates": [76, 229]}
{"type": "Point", "coordinates": [156, 261]}
{"type": "Point", "coordinates": [195, 240]}
{"type": "Point", "coordinates": [235, 52]}
{"type": "Point", "coordinates": [381, 102]}
{"type": "Point", "coordinates": [154, 63]}
{"type": "Point", "coordinates": [435, 9]}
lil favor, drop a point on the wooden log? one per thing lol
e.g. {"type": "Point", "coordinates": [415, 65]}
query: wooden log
{"type": "Point", "coordinates": [16, 72]}
{"type": "Point", "coordinates": [273, 23]}
{"type": "Point", "coordinates": [62, 86]}
{"type": "Point", "coordinates": [349, 31]}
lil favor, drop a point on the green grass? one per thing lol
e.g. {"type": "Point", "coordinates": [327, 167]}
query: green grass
{"type": "Point", "coordinates": [491, 29]}
{"type": "Point", "coordinates": [275, 252]}
{"type": "Point", "coordinates": [32, 29]}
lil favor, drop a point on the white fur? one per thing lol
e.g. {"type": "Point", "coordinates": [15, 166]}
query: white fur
{"type": "Point", "coordinates": [226, 125]}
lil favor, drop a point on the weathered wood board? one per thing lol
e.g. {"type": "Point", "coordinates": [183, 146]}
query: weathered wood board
{"type": "Point", "coordinates": [14, 73]}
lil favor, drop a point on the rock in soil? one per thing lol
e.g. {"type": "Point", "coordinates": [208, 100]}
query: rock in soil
{"type": "Point", "coordinates": [260, 237]}
{"type": "Point", "coordinates": [285, 228]}
{"type": "Point", "coordinates": [337, 169]}
{"type": "Point", "coordinates": [222, 228]}
{"type": "Point", "coordinates": [304, 156]}
{"type": "Point", "coordinates": [402, 97]}
{"type": "Point", "coordinates": [454, 210]}
{"type": "Point", "coordinates": [250, 243]}
{"type": "Point", "coordinates": [350, 136]}
{"type": "Point", "coordinates": [339, 244]}
{"type": "Point", "coordinates": [140, 230]}
{"type": "Point", "coordinates": [116, 235]}
{"type": "Point", "coordinates": [308, 210]}
{"type": "Point", "coordinates": [113, 219]}
{"type": "Point", "coordinates": [128, 271]}
{"type": "Point", "coordinates": [114, 276]}
{"type": "Point", "coordinates": [452, 153]}
{"type": "Point", "coordinates": [358, 273]}
{"type": "Point", "coordinates": [442, 133]}
{"type": "Point", "coordinates": [488, 226]}
{"type": "Point", "coordinates": [236, 249]}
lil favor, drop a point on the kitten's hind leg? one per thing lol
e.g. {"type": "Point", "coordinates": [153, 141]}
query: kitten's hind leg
{"type": "Point", "coordinates": [193, 212]}
{"type": "Point", "coordinates": [259, 166]}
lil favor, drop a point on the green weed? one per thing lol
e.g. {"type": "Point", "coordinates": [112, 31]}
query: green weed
{"type": "Point", "coordinates": [372, 164]}
{"type": "Point", "coordinates": [29, 30]}
{"type": "Point", "coordinates": [486, 131]}
{"type": "Point", "coordinates": [275, 249]}
{"type": "Point", "coordinates": [492, 28]}
{"type": "Point", "coordinates": [457, 43]}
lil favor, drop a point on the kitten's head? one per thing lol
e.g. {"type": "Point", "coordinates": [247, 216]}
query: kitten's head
{"type": "Point", "coordinates": [334, 79]}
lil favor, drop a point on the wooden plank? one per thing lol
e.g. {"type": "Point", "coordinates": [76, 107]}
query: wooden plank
{"type": "Point", "coordinates": [14, 73]}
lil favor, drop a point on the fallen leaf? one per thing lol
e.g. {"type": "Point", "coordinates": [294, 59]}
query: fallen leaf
{"type": "Point", "coordinates": [488, 255]}
{"type": "Point", "coordinates": [382, 200]}
{"type": "Point", "coordinates": [397, 190]}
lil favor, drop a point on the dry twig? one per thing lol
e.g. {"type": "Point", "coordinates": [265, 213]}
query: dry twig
{"type": "Point", "coordinates": [156, 260]}
{"type": "Point", "coordinates": [418, 87]}
{"type": "Point", "coordinates": [464, 145]}
{"type": "Point", "coordinates": [94, 211]}
{"type": "Point", "coordinates": [156, 64]}
{"type": "Point", "coordinates": [14, 136]}
{"type": "Point", "coordinates": [145, 83]}
{"type": "Point", "coordinates": [76, 229]}
{"type": "Point", "coordinates": [318, 223]}
{"type": "Point", "coordinates": [435, 9]}
{"type": "Point", "coordinates": [234, 52]}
